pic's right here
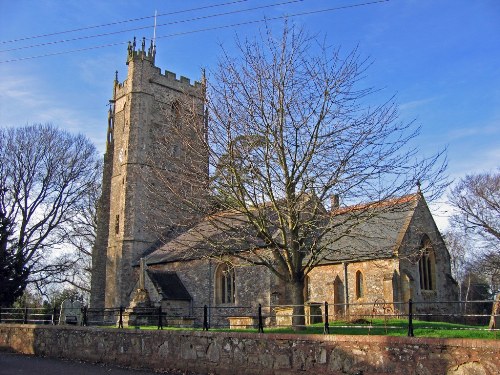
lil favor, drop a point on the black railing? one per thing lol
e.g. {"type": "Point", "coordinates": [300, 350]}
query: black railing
{"type": "Point", "coordinates": [323, 317]}
{"type": "Point", "coordinates": [26, 315]}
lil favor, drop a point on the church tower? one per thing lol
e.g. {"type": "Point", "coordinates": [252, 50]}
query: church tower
{"type": "Point", "coordinates": [143, 136]}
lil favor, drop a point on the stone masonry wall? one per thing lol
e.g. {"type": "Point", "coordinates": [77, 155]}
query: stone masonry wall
{"type": "Point", "coordinates": [327, 281]}
{"type": "Point", "coordinates": [198, 276]}
{"type": "Point", "coordinates": [224, 353]}
{"type": "Point", "coordinates": [445, 288]}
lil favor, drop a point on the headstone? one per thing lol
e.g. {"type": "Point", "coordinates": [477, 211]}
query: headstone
{"type": "Point", "coordinates": [71, 312]}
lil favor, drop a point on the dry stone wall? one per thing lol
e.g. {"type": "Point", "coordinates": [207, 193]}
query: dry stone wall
{"type": "Point", "coordinates": [227, 353]}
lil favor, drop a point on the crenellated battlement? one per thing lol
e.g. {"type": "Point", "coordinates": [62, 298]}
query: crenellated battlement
{"type": "Point", "coordinates": [172, 77]}
{"type": "Point", "coordinates": [167, 78]}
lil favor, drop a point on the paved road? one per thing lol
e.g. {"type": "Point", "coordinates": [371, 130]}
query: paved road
{"type": "Point", "coordinates": [17, 364]}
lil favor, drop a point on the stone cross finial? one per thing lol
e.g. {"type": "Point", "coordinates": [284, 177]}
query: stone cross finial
{"type": "Point", "coordinates": [142, 274]}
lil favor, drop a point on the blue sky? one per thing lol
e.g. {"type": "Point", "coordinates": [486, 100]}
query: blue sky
{"type": "Point", "coordinates": [441, 58]}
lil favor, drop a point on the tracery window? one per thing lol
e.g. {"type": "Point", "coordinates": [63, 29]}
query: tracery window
{"type": "Point", "coordinates": [225, 284]}
{"type": "Point", "coordinates": [427, 265]}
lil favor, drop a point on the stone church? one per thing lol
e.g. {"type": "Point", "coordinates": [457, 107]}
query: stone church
{"type": "Point", "coordinates": [396, 255]}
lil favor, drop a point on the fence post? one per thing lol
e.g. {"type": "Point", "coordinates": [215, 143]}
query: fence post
{"type": "Point", "coordinates": [54, 314]}
{"type": "Point", "coordinates": [205, 318]}
{"type": "Point", "coordinates": [261, 325]}
{"type": "Point", "coordinates": [160, 320]}
{"type": "Point", "coordinates": [410, 318]}
{"type": "Point", "coordinates": [84, 318]}
{"type": "Point", "coordinates": [326, 329]}
{"type": "Point", "coordinates": [25, 317]}
{"type": "Point", "coordinates": [120, 322]}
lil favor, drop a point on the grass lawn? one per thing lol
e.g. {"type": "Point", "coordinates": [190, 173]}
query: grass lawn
{"type": "Point", "coordinates": [391, 327]}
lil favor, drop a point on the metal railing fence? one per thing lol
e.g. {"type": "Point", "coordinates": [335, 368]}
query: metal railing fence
{"type": "Point", "coordinates": [323, 317]}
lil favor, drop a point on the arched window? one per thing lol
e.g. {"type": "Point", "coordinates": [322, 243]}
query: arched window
{"type": "Point", "coordinates": [427, 265]}
{"type": "Point", "coordinates": [176, 113]}
{"type": "Point", "coordinates": [224, 284]}
{"type": "Point", "coordinates": [360, 287]}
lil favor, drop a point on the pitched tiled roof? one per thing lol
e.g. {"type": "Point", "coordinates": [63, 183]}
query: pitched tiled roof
{"type": "Point", "coordinates": [228, 230]}
{"type": "Point", "coordinates": [368, 231]}
{"type": "Point", "coordinates": [169, 285]}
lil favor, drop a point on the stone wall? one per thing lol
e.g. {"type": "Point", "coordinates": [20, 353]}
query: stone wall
{"type": "Point", "coordinates": [328, 283]}
{"type": "Point", "coordinates": [198, 276]}
{"type": "Point", "coordinates": [446, 288]}
{"type": "Point", "coordinates": [244, 353]}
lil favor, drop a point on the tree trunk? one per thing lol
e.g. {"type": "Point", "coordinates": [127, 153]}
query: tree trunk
{"type": "Point", "coordinates": [298, 318]}
{"type": "Point", "coordinates": [467, 296]}
{"type": "Point", "coordinates": [461, 307]}
{"type": "Point", "coordinates": [495, 314]}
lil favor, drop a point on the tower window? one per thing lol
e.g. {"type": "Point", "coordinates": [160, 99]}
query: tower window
{"type": "Point", "coordinates": [117, 224]}
{"type": "Point", "coordinates": [360, 287]}
{"type": "Point", "coordinates": [175, 151]}
{"type": "Point", "coordinates": [225, 284]}
{"type": "Point", "coordinates": [176, 113]}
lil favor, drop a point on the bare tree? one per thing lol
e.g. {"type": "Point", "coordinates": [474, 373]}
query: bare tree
{"type": "Point", "coordinates": [80, 235]}
{"type": "Point", "coordinates": [477, 201]}
{"type": "Point", "coordinates": [46, 176]}
{"type": "Point", "coordinates": [458, 247]}
{"type": "Point", "coordinates": [12, 272]}
{"type": "Point", "coordinates": [288, 127]}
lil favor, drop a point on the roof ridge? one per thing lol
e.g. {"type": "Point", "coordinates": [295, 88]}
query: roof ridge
{"type": "Point", "coordinates": [377, 204]}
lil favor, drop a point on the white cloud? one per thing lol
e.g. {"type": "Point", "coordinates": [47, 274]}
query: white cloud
{"type": "Point", "coordinates": [414, 104]}
{"type": "Point", "coordinates": [474, 131]}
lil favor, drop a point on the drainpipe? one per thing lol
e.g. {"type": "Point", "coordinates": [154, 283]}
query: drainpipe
{"type": "Point", "coordinates": [346, 289]}
{"type": "Point", "coordinates": [210, 291]}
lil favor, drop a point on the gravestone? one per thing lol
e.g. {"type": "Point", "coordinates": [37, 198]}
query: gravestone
{"type": "Point", "coordinates": [71, 312]}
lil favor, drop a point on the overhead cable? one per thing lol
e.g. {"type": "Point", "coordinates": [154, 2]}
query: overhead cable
{"type": "Point", "coordinates": [123, 21]}
{"type": "Point", "coordinates": [149, 26]}
{"type": "Point", "coordinates": [203, 30]}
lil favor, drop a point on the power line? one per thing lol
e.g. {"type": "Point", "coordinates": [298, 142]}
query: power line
{"type": "Point", "coordinates": [203, 30]}
{"type": "Point", "coordinates": [123, 21]}
{"type": "Point", "coordinates": [271, 19]}
{"type": "Point", "coordinates": [147, 27]}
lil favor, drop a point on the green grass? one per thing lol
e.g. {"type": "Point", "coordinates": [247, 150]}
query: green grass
{"type": "Point", "coordinates": [391, 327]}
